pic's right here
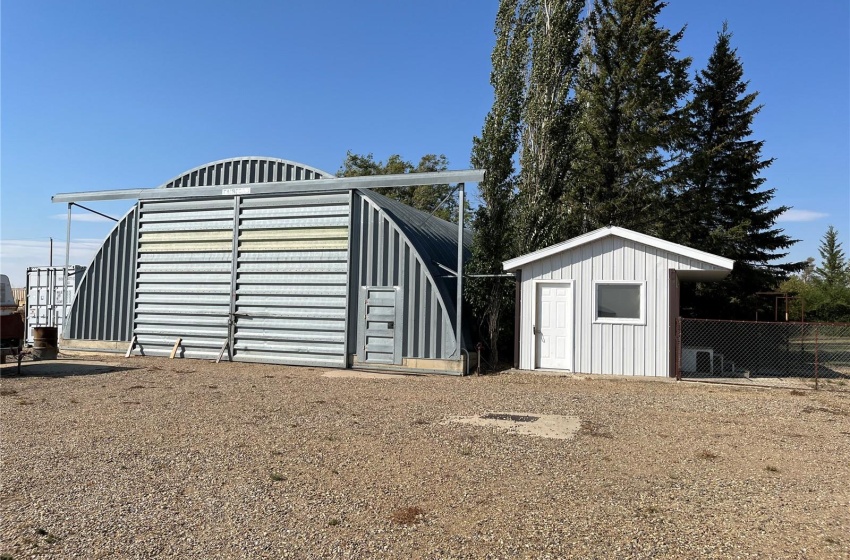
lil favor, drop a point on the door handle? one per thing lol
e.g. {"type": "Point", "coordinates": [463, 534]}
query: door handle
{"type": "Point", "coordinates": [534, 329]}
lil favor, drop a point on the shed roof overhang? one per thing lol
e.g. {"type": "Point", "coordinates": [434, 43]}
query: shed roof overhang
{"type": "Point", "coordinates": [718, 267]}
{"type": "Point", "coordinates": [310, 185]}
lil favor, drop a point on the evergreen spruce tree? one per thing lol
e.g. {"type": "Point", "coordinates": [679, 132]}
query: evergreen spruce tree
{"type": "Point", "coordinates": [547, 123]}
{"type": "Point", "coordinates": [721, 206]}
{"type": "Point", "coordinates": [630, 94]}
{"type": "Point", "coordinates": [834, 269]}
{"type": "Point", "coordinates": [494, 151]}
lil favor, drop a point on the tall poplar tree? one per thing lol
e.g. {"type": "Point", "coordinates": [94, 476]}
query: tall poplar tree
{"type": "Point", "coordinates": [630, 94]}
{"type": "Point", "coordinates": [720, 204]}
{"type": "Point", "coordinates": [494, 151]}
{"type": "Point", "coordinates": [547, 122]}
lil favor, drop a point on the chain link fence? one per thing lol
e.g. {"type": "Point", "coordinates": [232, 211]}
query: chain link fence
{"type": "Point", "coordinates": [810, 352]}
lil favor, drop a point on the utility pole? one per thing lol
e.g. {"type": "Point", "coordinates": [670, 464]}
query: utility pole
{"type": "Point", "coordinates": [51, 251]}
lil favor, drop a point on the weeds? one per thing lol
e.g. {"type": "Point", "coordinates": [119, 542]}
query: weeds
{"type": "Point", "coordinates": [798, 393]}
{"type": "Point", "coordinates": [594, 430]}
{"type": "Point", "coordinates": [707, 455]}
{"type": "Point", "coordinates": [6, 557]}
{"type": "Point", "coordinates": [420, 422]}
{"type": "Point", "coordinates": [333, 522]}
{"type": "Point", "coordinates": [407, 516]}
{"type": "Point", "coordinates": [277, 477]}
{"type": "Point", "coordinates": [7, 392]}
{"type": "Point", "coordinates": [771, 468]}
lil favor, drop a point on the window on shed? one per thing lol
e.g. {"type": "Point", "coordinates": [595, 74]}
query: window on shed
{"type": "Point", "coordinates": [619, 302]}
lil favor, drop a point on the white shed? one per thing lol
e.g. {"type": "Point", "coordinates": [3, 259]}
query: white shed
{"type": "Point", "coordinates": [605, 302]}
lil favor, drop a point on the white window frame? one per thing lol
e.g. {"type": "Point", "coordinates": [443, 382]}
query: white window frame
{"type": "Point", "coordinates": [620, 320]}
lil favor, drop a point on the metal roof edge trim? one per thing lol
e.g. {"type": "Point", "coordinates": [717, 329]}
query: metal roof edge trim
{"type": "Point", "coordinates": [309, 185]}
{"type": "Point", "coordinates": [716, 260]}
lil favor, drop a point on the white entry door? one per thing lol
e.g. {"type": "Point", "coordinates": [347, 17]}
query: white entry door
{"type": "Point", "coordinates": [553, 326]}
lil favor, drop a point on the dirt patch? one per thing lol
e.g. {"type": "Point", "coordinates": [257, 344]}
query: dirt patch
{"type": "Point", "coordinates": [283, 462]}
{"type": "Point", "coordinates": [523, 423]}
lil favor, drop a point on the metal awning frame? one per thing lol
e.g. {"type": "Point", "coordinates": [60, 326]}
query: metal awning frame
{"type": "Point", "coordinates": [303, 186]}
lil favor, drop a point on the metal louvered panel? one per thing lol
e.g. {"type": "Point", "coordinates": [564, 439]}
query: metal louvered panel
{"type": "Point", "coordinates": [102, 308]}
{"type": "Point", "coordinates": [290, 300]}
{"type": "Point", "coordinates": [183, 276]}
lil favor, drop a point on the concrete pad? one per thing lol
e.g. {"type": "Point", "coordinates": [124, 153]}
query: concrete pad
{"type": "Point", "coordinates": [354, 374]}
{"type": "Point", "coordinates": [525, 423]}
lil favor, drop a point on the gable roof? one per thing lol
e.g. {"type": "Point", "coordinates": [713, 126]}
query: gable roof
{"type": "Point", "coordinates": [518, 262]}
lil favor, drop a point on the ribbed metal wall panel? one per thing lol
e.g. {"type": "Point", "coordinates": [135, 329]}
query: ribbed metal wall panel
{"type": "Point", "coordinates": [238, 171]}
{"type": "Point", "coordinates": [102, 308]}
{"type": "Point", "coordinates": [292, 270]}
{"type": "Point", "coordinates": [384, 256]}
{"type": "Point", "coordinates": [183, 276]}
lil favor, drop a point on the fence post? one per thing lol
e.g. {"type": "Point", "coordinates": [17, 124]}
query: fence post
{"type": "Point", "coordinates": [816, 357]}
{"type": "Point", "coordinates": [678, 348]}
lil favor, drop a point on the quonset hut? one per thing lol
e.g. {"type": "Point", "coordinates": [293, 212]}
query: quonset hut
{"type": "Point", "coordinates": [267, 260]}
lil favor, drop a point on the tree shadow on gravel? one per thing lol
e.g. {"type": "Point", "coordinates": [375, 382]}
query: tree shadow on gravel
{"type": "Point", "coordinates": [64, 368]}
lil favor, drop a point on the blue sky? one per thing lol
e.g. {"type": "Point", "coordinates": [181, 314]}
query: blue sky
{"type": "Point", "coordinates": [104, 94]}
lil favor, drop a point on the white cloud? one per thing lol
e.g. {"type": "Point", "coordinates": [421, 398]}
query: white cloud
{"type": "Point", "coordinates": [16, 255]}
{"type": "Point", "coordinates": [795, 215]}
{"type": "Point", "coordinates": [81, 217]}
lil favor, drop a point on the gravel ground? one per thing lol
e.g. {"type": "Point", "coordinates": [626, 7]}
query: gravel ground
{"type": "Point", "coordinates": [147, 457]}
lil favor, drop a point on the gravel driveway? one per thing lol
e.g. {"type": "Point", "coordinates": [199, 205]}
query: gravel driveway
{"type": "Point", "coordinates": [147, 457]}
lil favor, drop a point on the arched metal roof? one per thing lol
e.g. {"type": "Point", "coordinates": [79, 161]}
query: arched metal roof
{"type": "Point", "coordinates": [242, 170]}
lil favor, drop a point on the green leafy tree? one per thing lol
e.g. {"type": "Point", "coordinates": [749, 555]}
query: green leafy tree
{"type": "Point", "coordinates": [823, 290]}
{"type": "Point", "coordinates": [630, 94]}
{"type": "Point", "coordinates": [547, 122]}
{"type": "Point", "coordinates": [494, 151]}
{"type": "Point", "coordinates": [720, 205]}
{"type": "Point", "coordinates": [436, 199]}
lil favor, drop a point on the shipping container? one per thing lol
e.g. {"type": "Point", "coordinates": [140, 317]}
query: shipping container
{"type": "Point", "coordinates": [48, 298]}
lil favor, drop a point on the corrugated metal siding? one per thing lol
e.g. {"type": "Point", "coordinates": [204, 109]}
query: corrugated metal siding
{"type": "Point", "coordinates": [237, 171]}
{"type": "Point", "coordinates": [183, 276]}
{"type": "Point", "coordinates": [385, 256]}
{"type": "Point", "coordinates": [102, 308]}
{"type": "Point", "coordinates": [292, 270]}
{"type": "Point", "coordinates": [609, 348]}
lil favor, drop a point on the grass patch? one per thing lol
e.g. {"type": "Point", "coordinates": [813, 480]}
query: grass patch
{"type": "Point", "coordinates": [277, 477]}
{"type": "Point", "coordinates": [707, 455]}
{"type": "Point", "coordinates": [407, 516]}
{"type": "Point", "coordinates": [8, 392]}
{"type": "Point", "coordinates": [333, 522]}
{"type": "Point", "coordinates": [420, 422]}
{"type": "Point", "coordinates": [6, 557]}
{"type": "Point", "coordinates": [771, 468]}
{"type": "Point", "coordinates": [798, 393]}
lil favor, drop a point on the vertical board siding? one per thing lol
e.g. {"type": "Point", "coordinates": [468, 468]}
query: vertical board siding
{"type": "Point", "coordinates": [388, 259]}
{"type": "Point", "coordinates": [106, 314]}
{"type": "Point", "coordinates": [621, 349]}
